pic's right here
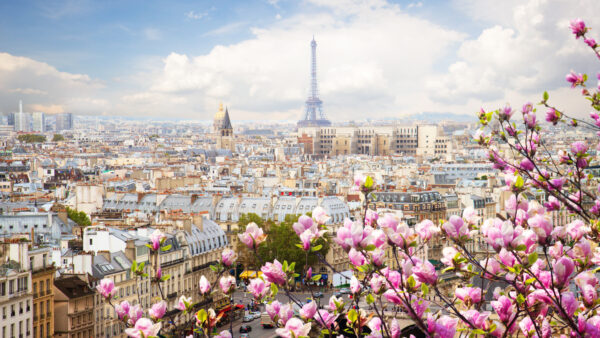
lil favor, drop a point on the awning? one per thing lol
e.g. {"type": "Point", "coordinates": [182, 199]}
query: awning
{"type": "Point", "coordinates": [250, 274]}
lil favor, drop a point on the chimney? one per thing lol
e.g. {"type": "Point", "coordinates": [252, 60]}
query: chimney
{"type": "Point", "coordinates": [140, 195]}
{"type": "Point", "coordinates": [194, 198]}
{"type": "Point", "coordinates": [130, 249]}
{"type": "Point", "coordinates": [62, 215]}
{"type": "Point", "coordinates": [105, 254]}
{"type": "Point", "coordinates": [198, 220]}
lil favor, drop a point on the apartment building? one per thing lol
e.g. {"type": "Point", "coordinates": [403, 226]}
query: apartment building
{"type": "Point", "coordinates": [42, 279]}
{"type": "Point", "coordinates": [73, 307]}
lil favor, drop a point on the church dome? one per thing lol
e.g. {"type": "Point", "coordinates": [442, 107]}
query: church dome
{"type": "Point", "coordinates": [220, 115]}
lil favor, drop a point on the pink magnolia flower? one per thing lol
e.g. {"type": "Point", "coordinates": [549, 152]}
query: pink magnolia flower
{"type": "Point", "coordinates": [273, 309]}
{"type": "Point", "coordinates": [354, 285]}
{"type": "Point", "coordinates": [505, 113]}
{"type": "Point", "coordinates": [425, 273]}
{"type": "Point", "coordinates": [395, 328]}
{"type": "Point", "coordinates": [426, 230]}
{"type": "Point", "coordinates": [356, 258]}
{"type": "Point", "coordinates": [258, 288]}
{"type": "Point", "coordinates": [377, 283]}
{"type": "Point", "coordinates": [577, 229]}
{"type": "Point", "coordinates": [106, 288]}
{"type": "Point", "coordinates": [320, 215]}
{"type": "Point", "coordinates": [389, 220]}
{"type": "Point", "coordinates": [468, 294]}
{"type": "Point", "coordinates": [309, 273]}
{"type": "Point", "coordinates": [552, 204]}
{"type": "Point", "coordinates": [253, 236]}
{"type": "Point", "coordinates": [527, 165]}
{"type": "Point", "coordinates": [227, 284]}
{"type": "Point", "coordinates": [135, 312]}
{"type": "Point", "coordinates": [552, 116]}
{"type": "Point", "coordinates": [122, 309]}
{"type": "Point", "coordinates": [304, 223]}
{"type": "Point", "coordinates": [306, 238]}
{"type": "Point", "coordinates": [569, 303]}
{"type": "Point", "coordinates": [456, 227]}
{"type": "Point", "coordinates": [332, 302]}
{"type": "Point", "coordinates": [294, 328]}
{"type": "Point", "coordinates": [375, 324]}
{"type": "Point", "coordinates": [491, 266]}
{"type": "Point", "coordinates": [144, 327]}
{"type": "Point", "coordinates": [308, 310]}
{"type": "Point", "coordinates": [371, 217]}
{"type": "Point", "coordinates": [590, 42]}
{"type": "Point", "coordinates": [579, 148]}
{"type": "Point", "coordinates": [184, 303]}
{"type": "Point", "coordinates": [228, 256]}
{"type": "Point", "coordinates": [285, 313]}
{"type": "Point", "coordinates": [158, 310]}
{"type": "Point", "coordinates": [448, 254]}
{"type": "Point", "coordinates": [156, 239]}
{"type": "Point", "coordinates": [274, 272]}
{"type": "Point", "coordinates": [204, 285]}
{"type": "Point", "coordinates": [359, 180]}
{"type": "Point", "coordinates": [574, 79]}
{"type": "Point", "coordinates": [416, 306]}
{"type": "Point", "coordinates": [527, 326]}
{"type": "Point", "coordinates": [578, 28]}
{"type": "Point", "coordinates": [587, 283]}
{"type": "Point", "coordinates": [478, 319]}
{"type": "Point", "coordinates": [507, 258]}
{"type": "Point", "coordinates": [563, 269]}
{"type": "Point", "coordinates": [542, 226]}
{"type": "Point", "coordinates": [159, 273]}
{"type": "Point", "coordinates": [325, 318]}
{"type": "Point", "coordinates": [224, 334]}
{"type": "Point", "coordinates": [504, 308]}
{"type": "Point", "coordinates": [378, 257]}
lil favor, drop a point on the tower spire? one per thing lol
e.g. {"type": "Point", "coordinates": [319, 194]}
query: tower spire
{"type": "Point", "coordinates": [314, 106]}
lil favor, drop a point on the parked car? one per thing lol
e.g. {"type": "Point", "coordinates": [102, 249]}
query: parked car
{"type": "Point", "coordinates": [338, 294]}
{"type": "Point", "coordinates": [248, 318]}
{"type": "Point", "coordinates": [266, 321]}
{"type": "Point", "coordinates": [345, 291]}
{"type": "Point", "coordinates": [244, 335]}
{"type": "Point", "coordinates": [245, 328]}
{"type": "Point", "coordinates": [319, 294]}
{"type": "Point", "coordinates": [255, 314]}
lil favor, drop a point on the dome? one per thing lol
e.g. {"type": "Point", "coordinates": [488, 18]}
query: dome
{"type": "Point", "coordinates": [220, 115]}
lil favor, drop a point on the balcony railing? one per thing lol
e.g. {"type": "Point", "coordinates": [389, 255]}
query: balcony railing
{"type": "Point", "coordinates": [172, 295]}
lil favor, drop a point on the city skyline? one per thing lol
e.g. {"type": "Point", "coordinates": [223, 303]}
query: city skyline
{"type": "Point", "coordinates": [387, 60]}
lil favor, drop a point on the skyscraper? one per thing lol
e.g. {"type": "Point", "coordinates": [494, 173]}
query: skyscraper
{"type": "Point", "coordinates": [314, 115]}
{"type": "Point", "coordinates": [22, 120]}
{"type": "Point", "coordinates": [64, 121]}
{"type": "Point", "coordinates": [39, 122]}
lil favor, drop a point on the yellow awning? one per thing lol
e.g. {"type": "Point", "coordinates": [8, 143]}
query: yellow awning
{"type": "Point", "coordinates": [250, 274]}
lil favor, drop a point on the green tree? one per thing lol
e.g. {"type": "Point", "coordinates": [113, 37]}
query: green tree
{"type": "Point", "coordinates": [57, 138]}
{"type": "Point", "coordinates": [280, 243]}
{"type": "Point", "coordinates": [31, 138]}
{"type": "Point", "coordinates": [78, 217]}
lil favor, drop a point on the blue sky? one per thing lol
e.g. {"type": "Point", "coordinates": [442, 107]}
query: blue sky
{"type": "Point", "coordinates": [387, 59]}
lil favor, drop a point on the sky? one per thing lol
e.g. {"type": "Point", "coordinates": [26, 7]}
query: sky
{"type": "Point", "coordinates": [376, 59]}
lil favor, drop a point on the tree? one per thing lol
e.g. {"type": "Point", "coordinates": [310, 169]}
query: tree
{"type": "Point", "coordinates": [31, 138]}
{"type": "Point", "coordinates": [57, 138]}
{"type": "Point", "coordinates": [278, 245]}
{"type": "Point", "coordinates": [79, 217]}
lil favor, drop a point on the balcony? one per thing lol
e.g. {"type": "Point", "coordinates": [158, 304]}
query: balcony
{"type": "Point", "coordinates": [172, 295]}
{"type": "Point", "coordinates": [42, 316]}
{"type": "Point", "coordinates": [35, 318]}
{"type": "Point", "coordinates": [35, 295]}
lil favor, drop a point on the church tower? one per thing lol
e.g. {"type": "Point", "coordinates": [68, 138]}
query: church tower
{"type": "Point", "coordinates": [223, 129]}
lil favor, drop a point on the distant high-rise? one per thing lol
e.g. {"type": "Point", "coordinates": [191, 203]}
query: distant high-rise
{"type": "Point", "coordinates": [22, 120]}
{"type": "Point", "coordinates": [39, 122]}
{"type": "Point", "coordinates": [314, 115]}
{"type": "Point", "coordinates": [64, 121]}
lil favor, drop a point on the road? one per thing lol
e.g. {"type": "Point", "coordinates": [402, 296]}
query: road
{"type": "Point", "coordinates": [257, 330]}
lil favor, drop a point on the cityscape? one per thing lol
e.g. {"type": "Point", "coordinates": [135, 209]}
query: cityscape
{"type": "Point", "coordinates": [324, 192]}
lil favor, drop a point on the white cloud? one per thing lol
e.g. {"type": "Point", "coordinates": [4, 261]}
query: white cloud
{"type": "Point", "coordinates": [152, 34]}
{"type": "Point", "coordinates": [417, 4]}
{"type": "Point", "coordinates": [527, 48]}
{"type": "Point", "coordinates": [196, 16]}
{"type": "Point", "coordinates": [44, 88]}
{"type": "Point", "coordinates": [371, 59]}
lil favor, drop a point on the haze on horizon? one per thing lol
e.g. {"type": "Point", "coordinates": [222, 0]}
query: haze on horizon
{"type": "Point", "coordinates": [383, 59]}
